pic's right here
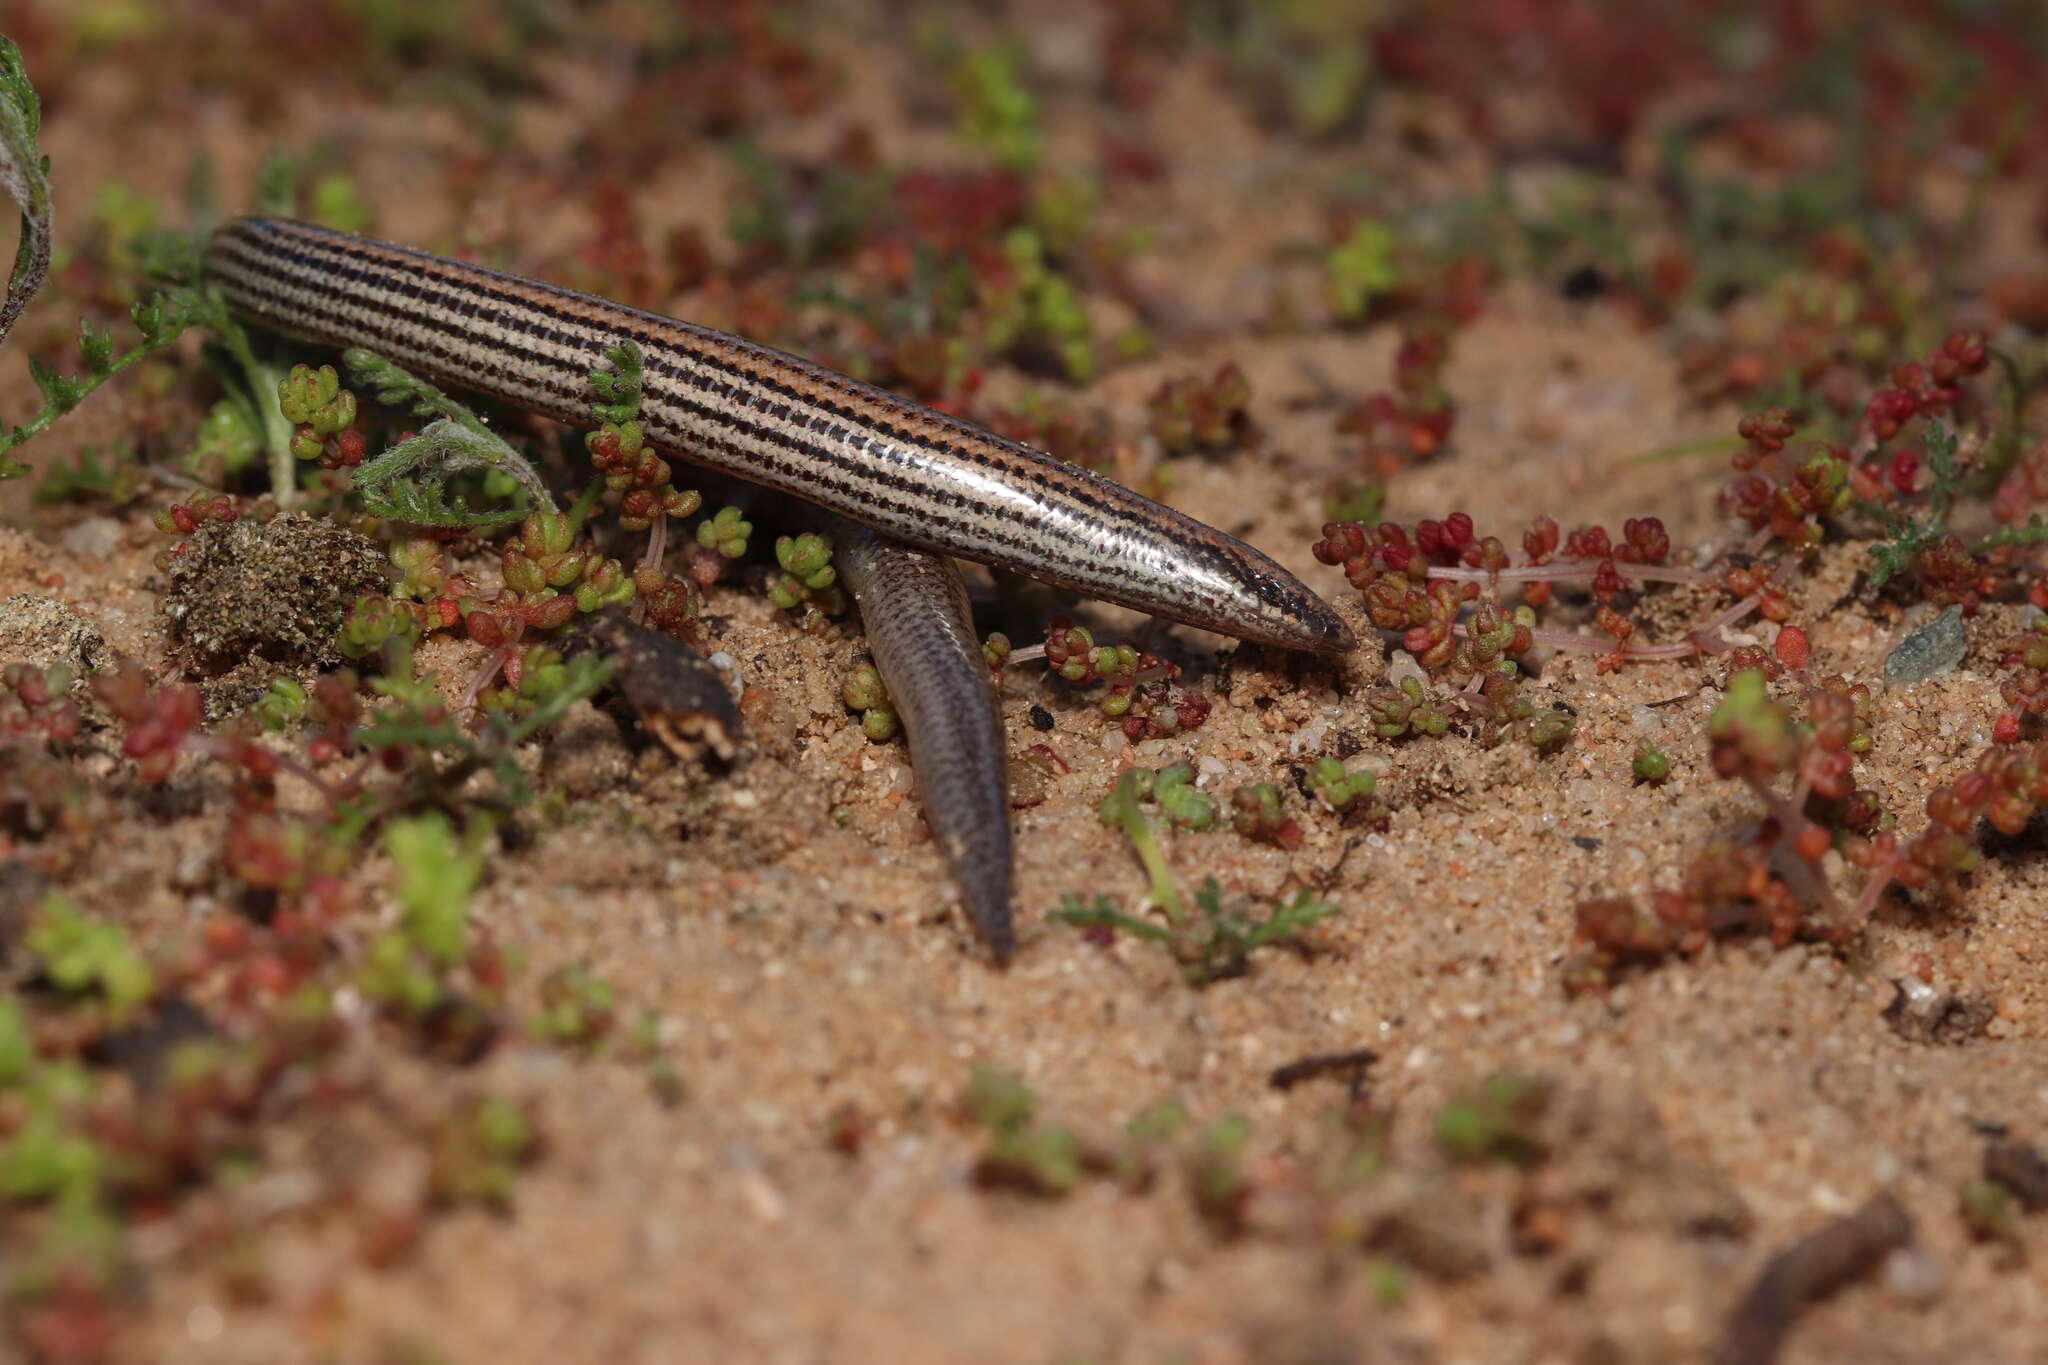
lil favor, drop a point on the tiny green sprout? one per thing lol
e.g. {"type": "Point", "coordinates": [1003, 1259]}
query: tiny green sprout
{"type": "Point", "coordinates": [195, 1063]}
{"type": "Point", "coordinates": [1158, 1124]}
{"type": "Point", "coordinates": [1132, 343]}
{"type": "Point", "coordinates": [479, 1151]}
{"type": "Point", "coordinates": [1217, 946]}
{"type": "Point", "coordinates": [281, 706]}
{"type": "Point", "coordinates": [1545, 731]}
{"type": "Point", "coordinates": [95, 348]}
{"type": "Point", "coordinates": [1988, 1210]}
{"type": "Point", "coordinates": [17, 1049]}
{"type": "Point", "coordinates": [863, 691]}
{"type": "Point", "coordinates": [1062, 207]}
{"type": "Point", "coordinates": [1324, 88]}
{"type": "Point", "coordinates": [996, 650]}
{"type": "Point", "coordinates": [1408, 709]}
{"type": "Point", "coordinates": [1362, 269]}
{"type": "Point", "coordinates": [337, 201]}
{"type": "Point", "coordinates": [314, 402]}
{"type": "Point", "coordinates": [1101, 913]}
{"type": "Point", "coordinates": [664, 1077]}
{"type": "Point", "coordinates": [277, 185]}
{"type": "Point", "coordinates": [1359, 502]}
{"type": "Point", "coordinates": [1388, 1282]}
{"type": "Point", "coordinates": [118, 477]}
{"type": "Point", "coordinates": [997, 114]}
{"type": "Point", "coordinates": [547, 534]}
{"type": "Point", "coordinates": [1113, 661]}
{"type": "Point", "coordinates": [1215, 1167]}
{"type": "Point", "coordinates": [392, 975]}
{"type": "Point", "coordinates": [1496, 1120]}
{"type": "Point", "coordinates": [1040, 304]}
{"type": "Point", "coordinates": [457, 441]}
{"type": "Point", "coordinates": [545, 677]}
{"type": "Point", "coordinates": [807, 572]}
{"type": "Point", "coordinates": [1063, 319]}
{"type": "Point", "coordinates": [725, 531]}
{"type": "Point", "coordinates": [1910, 538]}
{"type": "Point", "coordinates": [1174, 789]}
{"type": "Point", "coordinates": [576, 1008]}
{"type": "Point", "coordinates": [123, 216]}
{"type": "Point", "coordinates": [375, 623]}
{"type": "Point", "coordinates": [1221, 947]}
{"type": "Point", "coordinates": [1257, 813]}
{"type": "Point", "coordinates": [436, 877]}
{"type": "Point", "coordinates": [1044, 1160]}
{"type": "Point", "coordinates": [807, 557]}
{"type": "Point", "coordinates": [422, 567]}
{"type": "Point", "coordinates": [1749, 732]}
{"type": "Point", "coordinates": [1149, 1133]}
{"type": "Point", "coordinates": [1021, 1154]}
{"type": "Point", "coordinates": [1339, 790]}
{"type": "Point", "coordinates": [43, 1161]}
{"type": "Point", "coordinates": [619, 388]}
{"type": "Point", "coordinates": [78, 1247]}
{"type": "Point", "coordinates": [82, 956]}
{"type": "Point", "coordinates": [997, 1100]}
{"type": "Point", "coordinates": [228, 442]}
{"type": "Point", "coordinates": [159, 318]}
{"type": "Point", "coordinates": [1650, 763]}
{"type": "Point", "coordinates": [604, 583]}
{"type": "Point", "coordinates": [1122, 810]}
{"type": "Point", "coordinates": [1078, 653]}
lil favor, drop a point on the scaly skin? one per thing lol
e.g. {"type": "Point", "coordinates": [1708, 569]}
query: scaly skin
{"type": "Point", "coordinates": [914, 608]}
{"type": "Point", "coordinates": [916, 476]}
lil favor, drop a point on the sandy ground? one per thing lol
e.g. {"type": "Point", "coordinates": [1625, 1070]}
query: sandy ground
{"type": "Point", "coordinates": [793, 922]}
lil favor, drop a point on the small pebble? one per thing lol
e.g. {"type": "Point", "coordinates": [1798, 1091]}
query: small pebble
{"type": "Point", "coordinates": [1913, 1275]}
{"type": "Point", "coordinates": [93, 538]}
{"type": "Point", "coordinates": [1932, 650]}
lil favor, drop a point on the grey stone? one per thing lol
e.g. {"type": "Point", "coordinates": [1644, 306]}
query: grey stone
{"type": "Point", "coordinates": [1932, 650]}
{"type": "Point", "coordinates": [93, 538]}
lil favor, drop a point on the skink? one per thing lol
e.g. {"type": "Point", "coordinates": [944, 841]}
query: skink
{"type": "Point", "coordinates": [917, 476]}
{"type": "Point", "coordinates": [913, 484]}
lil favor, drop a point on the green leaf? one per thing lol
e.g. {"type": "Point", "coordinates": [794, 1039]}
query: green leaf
{"type": "Point", "coordinates": [81, 955]}
{"type": "Point", "coordinates": [1103, 914]}
{"type": "Point", "coordinates": [429, 504]}
{"type": "Point", "coordinates": [47, 382]}
{"type": "Point", "coordinates": [95, 347]}
{"type": "Point", "coordinates": [1910, 538]}
{"type": "Point", "coordinates": [17, 1049]}
{"type": "Point", "coordinates": [277, 183]}
{"type": "Point", "coordinates": [619, 388]}
{"type": "Point", "coordinates": [436, 878]}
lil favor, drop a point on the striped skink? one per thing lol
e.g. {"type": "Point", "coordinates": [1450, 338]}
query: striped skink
{"type": "Point", "coordinates": [917, 485]}
{"type": "Point", "coordinates": [916, 476]}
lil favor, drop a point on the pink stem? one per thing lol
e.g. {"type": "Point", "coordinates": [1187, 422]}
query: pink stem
{"type": "Point", "coordinates": [222, 752]}
{"type": "Point", "coordinates": [492, 664]}
{"type": "Point", "coordinates": [1572, 568]}
{"type": "Point", "coordinates": [1792, 820]}
{"type": "Point", "coordinates": [1880, 878]}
